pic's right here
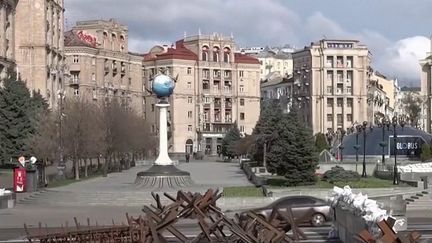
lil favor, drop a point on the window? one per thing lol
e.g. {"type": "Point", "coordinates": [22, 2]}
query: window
{"type": "Point", "coordinates": [330, 76]}
{"type": "Point", "coordinates": [348, 90]}
{"type": "Point", "coordinates": [241, 73]}
{"type": "Point", "coordinates": [349, 102]}
{"type": "Point", "coordinates": [227, 52]}
{"type": "Point", "coordinates": [76, 92]}
{"type": "Point", "coordinates": [204, 54]}
{"type": "Point", "coordinates": [339, 119]}
{"type": "Point", "coordinates": [189, 114]}
{"type": "Point", "coordinates": [190, 128]}
{"type": "Point", "coordinates": [241, 88]}
{"type": "Point", "coordinates": [330, 102]}
{"type": "Point", "coordinates": [339, 102]}
{"type": "Point", "coordinates": [189, 85]}
{"type": "Point", "coordinates": [93, 77]}
{"type": "Point", "coordinates": [189, 70]}
{"type": "Point", "coordinates": [207, 100]}
{"type": "Point", "coordinates": [329, 117]}
{"type": "Point", "coordinates": [330, 89]}
{"type": "Point", "coordinates": [329, 61]}
{"type": "Point", "coordinates": [94, 61]}
{"type": "Point", "coordinates": [215, 54]}
{"type": "Point", "coordinates": [152, 107]}
{"type": "Point", "coordinates": [349, 117]}
{"type": "Point", "coordinates": [190, 100]}
{"type": "Point", "coordinates": [241, 102]}
{"type": "Point", "coordinates": [75, 59]}
{"type": "Point", "coordinates": [242, 128]}
{"type": "Point", "coordinates": [130, 81]}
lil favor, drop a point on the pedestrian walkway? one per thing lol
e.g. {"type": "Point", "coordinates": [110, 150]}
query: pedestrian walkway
{"type": "Point", "coordinates": [107, 198]}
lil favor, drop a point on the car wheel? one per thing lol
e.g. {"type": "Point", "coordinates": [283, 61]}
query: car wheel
{"type": "Point", "coordinates": [317, 220]}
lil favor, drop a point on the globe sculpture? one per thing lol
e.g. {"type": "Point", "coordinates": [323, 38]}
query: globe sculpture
{"type": "Point", "coordinates": [163, 173]}
{"type": "Point", "coordinates": [163, 86]}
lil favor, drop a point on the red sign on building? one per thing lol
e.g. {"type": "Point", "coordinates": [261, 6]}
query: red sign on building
{"type": "Point", "coordinates": [20, 177]}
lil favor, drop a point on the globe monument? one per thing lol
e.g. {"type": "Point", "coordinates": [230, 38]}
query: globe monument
{"type": "Point", "coordinates": [163, 173]}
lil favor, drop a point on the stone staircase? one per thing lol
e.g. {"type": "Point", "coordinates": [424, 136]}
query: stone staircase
{"type": "Point", "coordinates": [422, 200]}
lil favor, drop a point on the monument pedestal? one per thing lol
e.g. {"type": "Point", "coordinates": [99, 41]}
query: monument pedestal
{"type": "Point", "coordinates": [160, 176]}
{"type": "Point", "coordinates": [163, 174]}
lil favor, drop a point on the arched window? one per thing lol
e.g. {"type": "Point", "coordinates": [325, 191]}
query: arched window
{"type": "Point", "coordinates": [215, 54]}
{"type": "Point", "coordinates": [227, 53]}
{"type": "Point", "coordinates": [205, 50]}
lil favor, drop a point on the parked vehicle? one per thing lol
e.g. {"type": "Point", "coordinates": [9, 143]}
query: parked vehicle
{"type": "Point", "coordinates": [306, 210]}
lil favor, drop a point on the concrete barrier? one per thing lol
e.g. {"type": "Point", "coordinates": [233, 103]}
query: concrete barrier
{"type": "Point", "coordinates": [7, 200]}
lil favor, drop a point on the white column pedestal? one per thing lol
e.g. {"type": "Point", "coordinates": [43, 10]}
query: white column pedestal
{"type": "Point", "coordinates": [163, 157]}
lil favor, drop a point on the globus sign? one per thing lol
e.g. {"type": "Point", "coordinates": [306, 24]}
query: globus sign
{"type": "Point", "coordinates": [409, 146]}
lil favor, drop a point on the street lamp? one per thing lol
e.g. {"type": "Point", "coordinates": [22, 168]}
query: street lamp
{"type": "Point", "coordinates": [61, 166]}
{"type": "Point", "coordinates": [402, 124]}
{"type": "Point", "coordinates": [357, 146]}
{"type": "Point", "coordinates": [364, 126]}
{"type": "Point", "coordinates": [341, 147]}
{"type": "Point", "coordinates": [385, 122]}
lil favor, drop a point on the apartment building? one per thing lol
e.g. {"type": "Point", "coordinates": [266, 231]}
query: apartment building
{"type": "Point", "coordinates": [39, 49]}
{"type": "Point", "coordinates": [330, 80]}
{"type": "Point", "coordinates": [215, 88]}
{"type": "Point", "coordinates": [426, 87]}
{"type": "Point", "coordinates": [100, 65]}
{"type": "Point", "coordinates": [382, 97]}
{"type": "Point", "coordinates": [278, 87]}
{"type": "Point", "coordinates": [7, 36]}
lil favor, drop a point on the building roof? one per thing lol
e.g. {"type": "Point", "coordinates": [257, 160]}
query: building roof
{"type": "Point", "coordinates": [71, 38]}
{"type": "Point", "coordinates": [183, 53]}
{"type": "Point", "coordinates": [179, 52]}
{"type": "Point", "coordinates": [413, 89]}
{"type": "Point", "coordinates": [274, 78]}
{"type": "Point", "coordinates": [243, 58]}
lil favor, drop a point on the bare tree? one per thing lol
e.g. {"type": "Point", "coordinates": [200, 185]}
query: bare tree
{"type": "Point", "coordinates": [79, 127]}
{"type": "Point", "coordinates": [44, 142]}
{"type": "Point", "coordinates": [412, 107]}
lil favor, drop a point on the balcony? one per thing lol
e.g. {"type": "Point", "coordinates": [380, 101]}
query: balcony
{"type": "Point", "coordinates": [217, 76]}
{"type": "Point", "coordinates": [74, 81]}
{"type": "Point", "coordinates": [228, 105]}
{"type": "Point", "coordinates": [217, 104]}
{"type": "Point", "coordinates": [114, 70]}
{"type": "Point", "coordinates": [123, 70]}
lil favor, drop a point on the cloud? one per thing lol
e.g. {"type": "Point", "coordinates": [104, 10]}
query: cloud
{"type": "Point", "coordinates": [401, 59]}
{"type": "Point", "coordinates": [254, 23]}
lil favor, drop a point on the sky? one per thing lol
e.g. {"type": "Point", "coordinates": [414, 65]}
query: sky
{"type": "Point", "coordinates": [397, 32]}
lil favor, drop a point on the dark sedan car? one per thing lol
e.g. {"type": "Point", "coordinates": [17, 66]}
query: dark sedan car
{"type": "Point", "coordinates": [305, 209]}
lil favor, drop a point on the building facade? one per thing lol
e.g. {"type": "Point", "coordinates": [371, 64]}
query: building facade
{"type": "Point", "coordinates": [215, 88]}
{"type": "Point", "coordinates": [330, 79]}
{"type": "Point", "coordinates": [7, 36]}
{"type": "Point", "coordinates": [275, 61]}
{"type": "Point", "coordinates": [383, 96]}
{"type": "Point", "coordinates": [39, 46]}
{"type": "Point", "coordinates": [277, 87]}
{"type": "Point", "coordinates": [100, 65]}
{"type": "Point", "coordinates": [426, 88]}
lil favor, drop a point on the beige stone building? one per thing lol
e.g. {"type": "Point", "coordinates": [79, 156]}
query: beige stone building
{"type": "Point", "coordinates": [39, 49]}
{"type": "Point", "coordinates": [7, 36]}
{"type": "Point", "coordinates": [275, 61]}
{"type": "Point", "coordinates": [330, 80]}
{"type": "Point", "coordinates": [382, 97]}
{"type": "Point", "coordinates": [426, 88]}
{"type": "Point", "coordinates": [277, 87]}
{"type": "Point", "coordinates": [100, 65]}
{"type": "Point", "coordinates": [216, 87]}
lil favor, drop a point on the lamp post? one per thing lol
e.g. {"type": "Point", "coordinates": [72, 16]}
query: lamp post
{"type": "Point", "coordinates": [364, 125]}
{"type": "Point", "coordinates": [395, 170]}
{"type": "Point", "coordinates": [61, 166]}
{"type": "Point", "coordinates": [385, 122]}
{"type": "Point", "coordinates": [341, 147]}
{"type": "Point", "coordinates": [357, 146]}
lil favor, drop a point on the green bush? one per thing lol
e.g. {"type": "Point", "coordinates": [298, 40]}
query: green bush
{"type": "Point", "coordinates": [339, 174]}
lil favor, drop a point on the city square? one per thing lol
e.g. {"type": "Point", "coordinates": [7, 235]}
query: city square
{"type": "Point", "coordinates": [162, 121]}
